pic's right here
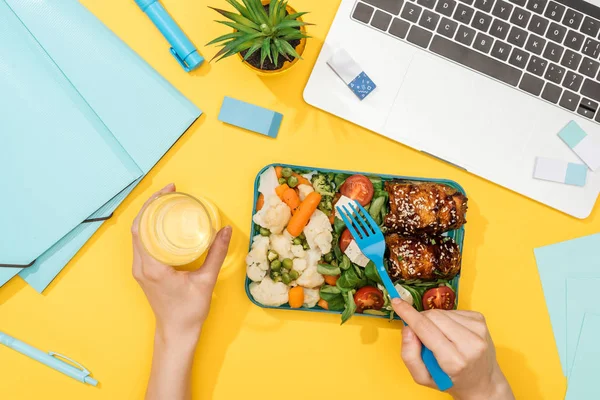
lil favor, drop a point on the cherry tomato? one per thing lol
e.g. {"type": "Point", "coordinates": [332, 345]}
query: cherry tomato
{"type": "Point", "coordinates": [441, 297]}
{"type": "Point", "coordinates": [359, 188]}
{"type": "Point", "coordinates": [368, 298]}
{"type": "Point", "coordinates": [345, 240]}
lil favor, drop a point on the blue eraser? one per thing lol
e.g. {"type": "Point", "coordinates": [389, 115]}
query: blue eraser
{"type": "Point", "coordinates": [362, 85]}
{"type": "Point", "coordinates": [342, 63]}
{"type": "Point", "coordinates": [251, 117]}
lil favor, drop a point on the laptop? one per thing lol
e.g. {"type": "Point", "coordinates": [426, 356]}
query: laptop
{"type": "Point", "coordinates": [485, 85]}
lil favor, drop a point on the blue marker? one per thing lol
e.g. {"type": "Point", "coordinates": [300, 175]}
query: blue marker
{"type": "Point", "coordinates": [181, 47]}
{"type": "Point", "coordinates": [50, 359]}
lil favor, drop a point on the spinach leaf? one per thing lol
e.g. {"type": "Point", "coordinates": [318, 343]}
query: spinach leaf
{"type": "Point", "coordinates": [342, 288]}
{"type": "Point", "coordinates": [371, 272]}
{"type": "Point", "coordinates": [416, 295]}
{"type": "Point", "coordinates": [336, 303]}
{"type": "Point", "coordinates": [329, 293]}
{"type": "Point", "coordinates": [338, 226]}
{"type": "Point", "coordinates": [359, 271]}
{"type": "Point", "coordinates": [326, 269]}
{"type": "Point", "coordinates": [346, 263]}
{"type": "Point", "coordinates": [375, 210]}
{"type": "Point", "coordinates": [377, 182]}
{"type": "Point", "coordinates": [339, 179]}
{"type": "Point", "coordinates": [350, 307]}
{"type": "Point", "coordinates": [348, 280]}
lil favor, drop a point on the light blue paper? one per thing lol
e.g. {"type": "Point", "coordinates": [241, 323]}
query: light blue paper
{"type": "Point", "coordinates": [572, 134]}
{"type": "Point", "coordinates": [582, 298]}
{"type": "Point", "coordinates": [583, 381]}
{"type": "Point", "coordinates": [576, 174]}
{"type": "Point", "coordinates": [556, 263]}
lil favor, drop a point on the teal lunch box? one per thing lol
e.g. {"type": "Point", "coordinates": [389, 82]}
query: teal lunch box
{"type": "Point", "coordinates": [457, 234]}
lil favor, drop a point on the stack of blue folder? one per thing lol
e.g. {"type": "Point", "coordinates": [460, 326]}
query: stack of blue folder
{"type": "Point", "coordinates": [82, 119]}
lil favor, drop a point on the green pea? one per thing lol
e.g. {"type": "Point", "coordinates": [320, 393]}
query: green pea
{"type": "Point", "coordinates": [328, 257]}
{"type": "Point", "coordinates": [265, 232]}
{"type": "Point", "coordinates": [292, 181]}
{"type": "Point", "coordinates": [297, 241]}
{"type": "Point", "coordinates": [288, 264]}
{"type": "Point", "coordinates": [294, 274]}
{"type": "Point", "coordinates": [275, 265]}
{"type": "Point", "coordinates": [275, 274]}
{"type": "Point", "coordinates": [302, 236]}
{"type": "Point", "coordinates": [334, 263]}
{"type": "Point", "coordinates": [282, 181]}
{"type": "Point", "coordinates": [285, 278]}
{"type": "Point", "coordinates": [286, 172]}
{"type": "Point", "coordinates": [277, 279]}
{"type": "Point", "coordinates": [305, 246]}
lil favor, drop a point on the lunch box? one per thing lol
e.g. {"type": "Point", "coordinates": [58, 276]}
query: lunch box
{"type": "Point", "coordinates": [457, 235]}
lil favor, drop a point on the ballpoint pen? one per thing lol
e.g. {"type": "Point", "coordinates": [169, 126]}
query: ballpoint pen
{"type": "Point", "coordinates": [50, 359]}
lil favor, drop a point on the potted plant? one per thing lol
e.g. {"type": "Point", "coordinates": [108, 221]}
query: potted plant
{"type": "Point", "coordinates": [269, 36]}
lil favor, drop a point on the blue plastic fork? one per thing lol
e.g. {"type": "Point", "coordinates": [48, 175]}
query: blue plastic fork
{"type": "Point", "coordinates": [371, 242]}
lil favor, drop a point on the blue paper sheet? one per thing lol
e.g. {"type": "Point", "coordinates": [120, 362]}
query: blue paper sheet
{"type": "Point", "coordinates": [583, 381]}
{"type": "Point", "coordinates": [556, 263]}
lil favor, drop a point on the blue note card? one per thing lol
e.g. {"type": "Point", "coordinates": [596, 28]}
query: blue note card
{"type": "Point", "coordinates": [583, 381]}
{"type": "Point", "coordinates": [556, 263]}
{"type": "Point", "coordinates": [248, 116]}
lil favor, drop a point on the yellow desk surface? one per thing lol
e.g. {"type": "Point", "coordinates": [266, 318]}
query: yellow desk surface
{"type": "Point", "coordinates": [95, 313]}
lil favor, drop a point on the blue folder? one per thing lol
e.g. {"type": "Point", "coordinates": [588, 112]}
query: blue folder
{"type": "Point", "coordinates": [141, 114]}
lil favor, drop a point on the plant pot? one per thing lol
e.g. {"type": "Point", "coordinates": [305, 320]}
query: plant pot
{"type": "Point", "coordinates": [287, 64]}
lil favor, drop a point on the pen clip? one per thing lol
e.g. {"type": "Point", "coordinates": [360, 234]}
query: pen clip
{"type": "Point", "coordinates": [59, 356]}
{"type": "Point", "coordinates": [179, 60]}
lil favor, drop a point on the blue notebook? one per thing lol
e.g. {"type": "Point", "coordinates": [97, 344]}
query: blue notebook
{"type": "Point", "coordinates": [136, 114]}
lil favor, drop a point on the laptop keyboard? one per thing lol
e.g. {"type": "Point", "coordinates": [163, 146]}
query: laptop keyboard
{"type": "Point", "coordinates": [545, 48]}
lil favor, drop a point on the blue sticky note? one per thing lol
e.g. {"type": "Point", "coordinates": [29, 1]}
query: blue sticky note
{"type": "Point", "coordinates": [362, 85]}
{"type": "Point", "coordinates": [556, 263]}
{"type": "Point", "coordinates": [583, 381]}
{"type": "Point", "coordinates": [582, 296]}
{"type": "Point", "coordinates": [572, 134]}
{"type": "Point", "coordinates": [576, 174]}
{"type": "Point", "coordinates": [248, 116]}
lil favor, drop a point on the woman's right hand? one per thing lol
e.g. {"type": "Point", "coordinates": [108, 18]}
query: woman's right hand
{"type": "Point", "coordinates": [462, 345]}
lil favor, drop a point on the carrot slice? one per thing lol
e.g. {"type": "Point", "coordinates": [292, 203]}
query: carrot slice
{"type": "Point", "coordinates": [303, 214]}
{"type": "Point", "coordinates": [278, 172]}
{"type": "Point", "coordinates": [260, 202]}
{"type": "Point", "coordinates": [323, 304]}
{"type": "Point", "coordinates": [331, 279]}
{"type": "Point", "coordinates": [296, 297]}
{"type": "Point", "coordinates": [290, 197]}
{"type": "Point", "coordinates": [280, 189]}
{"type": "Point", "coordinates": [301, 180]}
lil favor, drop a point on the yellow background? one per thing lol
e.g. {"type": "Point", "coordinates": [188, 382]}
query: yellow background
{"type": "Point", "coordinates": [95, 313]}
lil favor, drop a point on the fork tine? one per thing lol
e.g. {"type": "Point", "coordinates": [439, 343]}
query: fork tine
{"type": "Point", "coordinates": [360, 219]}
{"type": "Point", "coordinates": [346, 220]}
{"type": "Point", "coordinates": [372, 223]}
{"type": "Point", "coordinates": [356, 221]}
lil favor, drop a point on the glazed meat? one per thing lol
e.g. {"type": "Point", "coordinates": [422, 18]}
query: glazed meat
{"type": "Point", "coordinates": [419, 208]}
{"type": "Point", "coordinates": [422, 257]}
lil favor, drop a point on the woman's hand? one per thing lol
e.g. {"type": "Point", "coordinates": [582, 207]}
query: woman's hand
{"type": "Point", "coordinates": [462, 345]}
{"type": "Point", "coordinates": [180, 299]}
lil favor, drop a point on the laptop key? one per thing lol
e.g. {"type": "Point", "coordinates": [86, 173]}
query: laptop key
{"type": "Point", "coordinates": [427, 3]}
{"type": "Point", "coordinates": [519, 2]}
{"type": "Point", "coordinates": [572, 18]}
{"type": "Point", "coordinates": [502, 10]}
{"type": "Point", "coordinates": [363, 12]}
{"type": "Point", "coordinates": [501, 50]}
{"type": "Point", "coordinates": [587, 108]}
{"type": "Point", "coordinates": [419, 36]}
{"type": "Point", "coordinates": [571, 60]}
{"type": "Point", "coordinates": [481, 21]}
{"type": "Point", "coordinates": [555, 73]}
{"type": "Point", "coordinates": [411, 12]}
{"type": "Point", "coordinates": [463, 14]}
{"type": "Point", "coordinates": [520, 17]}
{"type": "Point", "coordinates": [590, 26]}
{"type": "Point", "coordinates": [519, 58]}
{"type": "Point", "coordinates": [399, 28]}
{"type": "Point", "coordinates": [535, 44]}
{"type": "Point", "coordinates": [446, 7]}
{"type": "Point", "coordinates": [591, 48]}
{"type": "Point", "coordinates": [447, 27]}
{"type": "Point", "coordinates": [531, 84]}
{"type": "Point", "coordinates": [569, 100]}
{"type": "Point", "coordinates": [499, 29]}
{"type": "Point", "coordinates": [538, 25]}
{"type": "Point", "coordinates": [475, 60]}
{"type": "Point", "coordinates": [551, 93]}
{"type": "Point", "coordinates": [429, 20]}
{"type": "Point", "coordinates": [572, 81]}
{"type": "Point", "coordinates": [537, 65]}
{"type": "Point", "coordinates": [484, 5]}
{"type": "Point", "coordinates": [554, 11]}
{"type": "Point", "coordinates": [589, 67]}
{"type": "Point", "coordinates": [556, 32]}
{"type": "Point", "coordinates": [553, 51]}
{"type": "Point", "coordinates": [469, 2]}
{"type": "Point", "coordinates": [381, 20]}
{"type": "Point", "coordinates": [536, 6]}
{"type": "Point", "coordinates": [517, 36]}
{"type": "Point", "coordinates": [483, 42]}
{"type": "Point", "coordinates": [574, 40]}
{"type": "Point", "coordinates": [391, 6]}
{"type": "Point", "coordinates": [465, 35]}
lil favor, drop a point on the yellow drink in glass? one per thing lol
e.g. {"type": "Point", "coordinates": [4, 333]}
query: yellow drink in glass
{"type": "Point", "coordinates": [177, 228]}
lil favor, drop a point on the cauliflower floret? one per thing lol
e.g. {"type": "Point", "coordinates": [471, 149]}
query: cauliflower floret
{"type": "Point", "coordinates": [312, 257]}
{"type": "Point", "coordinates": [282, 245]}
{"type": "Point", "coordinates": [310, 278]}
{"type": "Point", "coordinates": [304, 190]}
{"type": "Point", "coordinates": [311, 297]}
{"type": "Point", "coordinates": [270, 293]}
{"type": "Point", "coordinates": [318, 232]}
{"type": "Point", "coordinates": [298, 251]}
{"type": "Point", "coordinates": [299, 265]}
{"type": "Point", "coordinates": [274, 215]}
{"type": "Point", "coordinates": [256, 261]}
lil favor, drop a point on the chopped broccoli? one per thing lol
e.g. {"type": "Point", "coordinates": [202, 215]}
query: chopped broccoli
{"type": "Point", "coordinates": [322, 185]}
{"type": "Point", "coordinates": [326, 205]}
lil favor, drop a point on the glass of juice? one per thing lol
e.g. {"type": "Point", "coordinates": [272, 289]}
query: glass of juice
{"type": "Point", "coordinates": [177, 228]}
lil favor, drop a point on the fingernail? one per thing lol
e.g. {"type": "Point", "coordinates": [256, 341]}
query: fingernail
{"type": "Point", "coordinates": [169, 185]}
{"type": "Point", "coordinates": [396, 301]}
{"type": "Point", "coordinates": [407, 335]}
{"type": "Point", "coordinates": [226, 235]}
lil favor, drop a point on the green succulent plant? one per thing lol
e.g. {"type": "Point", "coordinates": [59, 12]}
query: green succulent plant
{"type": "Point", "coordinates": [255, 29]}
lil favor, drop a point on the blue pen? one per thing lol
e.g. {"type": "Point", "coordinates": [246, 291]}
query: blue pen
{"type": "Point", "coordinates": [49, 359]}
{"type": "Point", "coordinates": [181, 47]}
